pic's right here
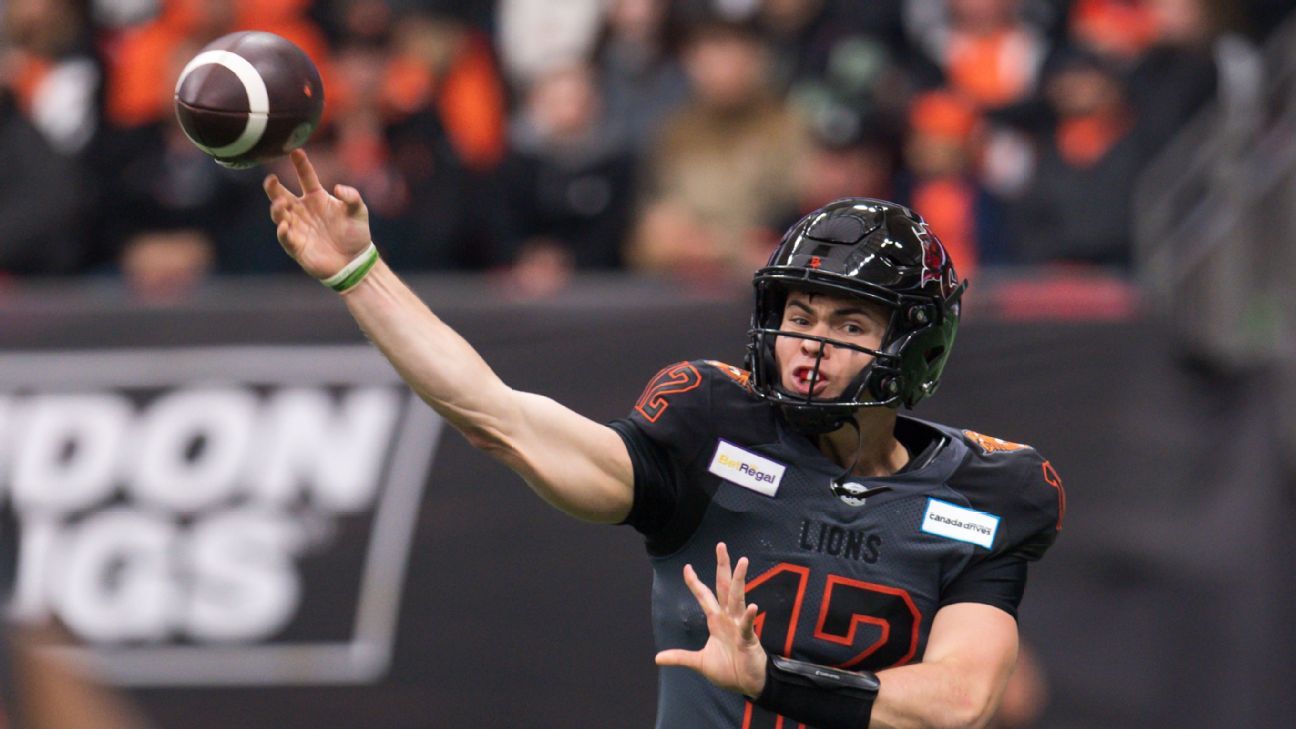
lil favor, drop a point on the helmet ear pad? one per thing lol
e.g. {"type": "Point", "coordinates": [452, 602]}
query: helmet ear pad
{"type": "Point", "coordinates": [922, 352]}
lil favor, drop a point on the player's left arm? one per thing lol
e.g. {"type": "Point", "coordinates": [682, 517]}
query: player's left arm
{"type": "Point", "coordinates": [972, 648]}
{"type": "Point", "coordinates": [970, 654]}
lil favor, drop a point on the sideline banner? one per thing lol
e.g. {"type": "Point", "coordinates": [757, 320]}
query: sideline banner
{"type": "Point", "coordinates": [173, 498]}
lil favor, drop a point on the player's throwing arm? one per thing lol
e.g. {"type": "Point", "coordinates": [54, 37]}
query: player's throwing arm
{"type": "Point", "coordinates": [574, 463]}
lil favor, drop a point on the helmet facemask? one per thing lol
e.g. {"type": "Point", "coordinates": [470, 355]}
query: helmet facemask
{"type": "Point", "coordinates": [875, 385]}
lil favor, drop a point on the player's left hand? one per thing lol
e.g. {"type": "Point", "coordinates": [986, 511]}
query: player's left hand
{"type": "Point", "coordinates": [732, 657]}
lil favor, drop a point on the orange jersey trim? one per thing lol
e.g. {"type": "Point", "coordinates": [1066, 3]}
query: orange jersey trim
{"type": "Point", "coordinates": [990, 444]}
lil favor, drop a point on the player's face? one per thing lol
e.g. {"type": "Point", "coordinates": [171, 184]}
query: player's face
{"type": "Point", "coordinates": [852, 321]}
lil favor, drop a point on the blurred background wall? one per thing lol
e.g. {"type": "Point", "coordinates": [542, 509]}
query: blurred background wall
{"type": "Point", "coordinates": [232, 511]}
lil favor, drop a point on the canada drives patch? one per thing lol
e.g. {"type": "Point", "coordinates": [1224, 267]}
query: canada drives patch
{"type": "Point", "coordinates": [960, 523]}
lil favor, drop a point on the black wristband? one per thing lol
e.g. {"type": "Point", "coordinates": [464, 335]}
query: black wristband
{"type": "Point", "coordinates": [819, 696]}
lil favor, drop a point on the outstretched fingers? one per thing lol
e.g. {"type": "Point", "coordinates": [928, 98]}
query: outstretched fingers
{"type": "Point", "coordinates": [680, 657]}
{"type": "Point", "coordinates": [737, 602]}
{"type": "Point", "coordinates": [722, 574]}
{"type": "Point", "coordinates": [731, 582]}
{"type": "Point", "coordinates": [747, 626]}
{"type": "Point", "coordinates": [350, 197]}
{"type": "Point", "coordinates": [274, 189]}
{"type": "Point", "coordinates": [700, 591]}
{"type": "Point", "coordinates": [279, 210]}
{"type": "Point", "coordinates": [305, 172]}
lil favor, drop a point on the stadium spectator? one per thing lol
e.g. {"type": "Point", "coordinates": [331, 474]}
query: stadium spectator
{"type": "Point", "coordinates": [172, 217]}
{"type": "Point", "coordinates": [986, 50]}
{"type": "Point", "coordinates": [640, 76]}
{"type": "Point", "coordinates": [719, 172]}
{"type": "Point", "coordinates": [568, 184]}
{"type": "Point", "coordinates": [358, 146]}
{"type": "Point", "coordinates": [838, 63]}
{"type": "Point", "coordinates": [862, 165]}
{"type": "Point", "coordinates": [50, 79]}
{"type": "Point", "coordinates": [1178, 73]}
{"type": "Point", "coordinates": [140, 56]}
{"type": "Point", "coordinates": [446, 130]}
{"type": "Point", "coordinates": [1077, 205]}
{"type": "Point", "coordinates": [418, 123]}
{"type": "Point", "coordinates": [535, 36]}
{"type": "Point", "coordinates": [1118, 29]}
{"type": "Point", "coordinates": [940, 156]}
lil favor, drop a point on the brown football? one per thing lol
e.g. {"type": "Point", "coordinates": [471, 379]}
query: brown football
{"type": "Point", "coordinates": [249, 97]}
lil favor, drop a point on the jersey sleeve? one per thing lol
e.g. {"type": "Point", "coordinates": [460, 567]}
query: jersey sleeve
{"type": "Point", "coordinates": [1021, 487]}
{"type": "Point", "coordinates": [668, 426]}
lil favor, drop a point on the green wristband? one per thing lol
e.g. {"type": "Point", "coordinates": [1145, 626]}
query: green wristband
{"type": "Point", "coordinates": [354, 272]}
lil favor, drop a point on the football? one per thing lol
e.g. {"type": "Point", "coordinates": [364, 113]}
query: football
{"type": "Point", "coordinates": [249, 97]}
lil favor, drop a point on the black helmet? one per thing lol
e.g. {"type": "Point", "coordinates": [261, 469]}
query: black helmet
{"type": "Point", "coordinates": [874, 250]}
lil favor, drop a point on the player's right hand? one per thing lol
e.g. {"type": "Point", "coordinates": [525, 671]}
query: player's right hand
{"type": "Point", "coordinates": [732, 658]}
{"type": "Point", "coordinates": [323, 232]}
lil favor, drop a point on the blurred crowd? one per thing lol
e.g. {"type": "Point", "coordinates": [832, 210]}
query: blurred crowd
{"type": "Point", "coordinates": [538, 138]}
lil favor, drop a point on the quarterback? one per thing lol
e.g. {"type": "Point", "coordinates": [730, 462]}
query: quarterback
{"type": "Point", "coordinates": [864, 567]}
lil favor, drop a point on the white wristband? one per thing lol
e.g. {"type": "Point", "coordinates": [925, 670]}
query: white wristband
{"type": "Point", "coordinates": [354, 272]}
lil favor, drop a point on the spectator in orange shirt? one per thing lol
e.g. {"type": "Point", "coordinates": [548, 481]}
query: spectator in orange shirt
{"type": "Point", "coordinates": [166, 221]}
{"type": "Point", "coordinates": [140, 57]}
{"type": "Point", "coordinates": [417, 123]}
{"type": "Point", "coordinates": [1119, 29]}
{"type": "Point", "coordinates": [986, 50]}
{"type": "Point", "coordinates": [1076, 207]}
{"type": "Point", "coordinates": [941, 159]}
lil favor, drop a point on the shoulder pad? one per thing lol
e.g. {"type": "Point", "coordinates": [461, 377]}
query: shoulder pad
{"type": "Point", "coordinates": [989, 445]}
{"type": "Point", "coordinates": [1014, 481]}
{"type": "Point", "coordinates": [738, 375]}
{"type": "Point", "coordinates": [1041, 479]}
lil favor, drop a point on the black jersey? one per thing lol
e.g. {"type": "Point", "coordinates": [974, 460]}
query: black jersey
{"type": "Point", "coordinates": [843, 581]}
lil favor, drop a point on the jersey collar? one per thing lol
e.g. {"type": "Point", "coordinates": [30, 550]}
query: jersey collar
{"type": "Point", "coordinates": [934, 454]}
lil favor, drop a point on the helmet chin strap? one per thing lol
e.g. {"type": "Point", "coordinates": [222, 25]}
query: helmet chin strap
{"type": "Point", "coordinates": [853, 493]}
{"type": "Point", "coordinates": [859, 448]}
